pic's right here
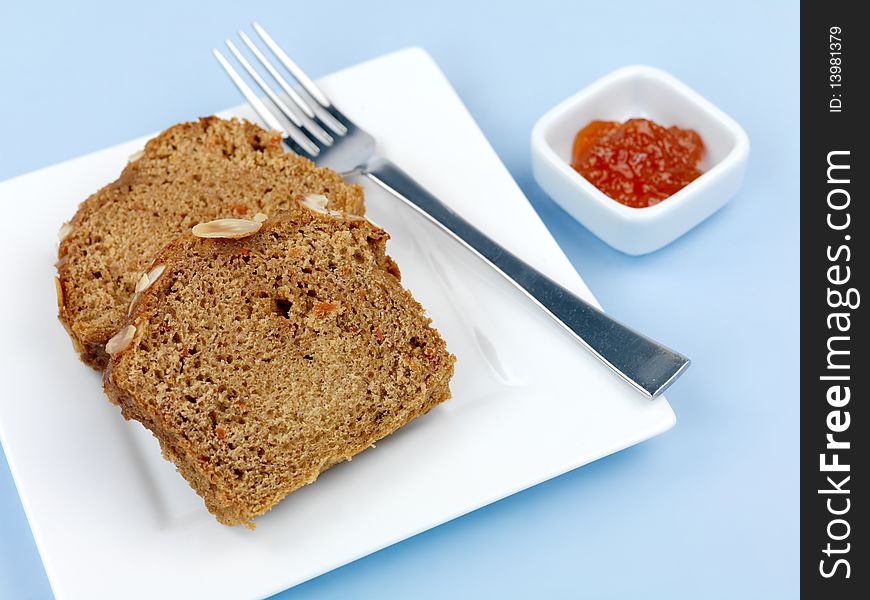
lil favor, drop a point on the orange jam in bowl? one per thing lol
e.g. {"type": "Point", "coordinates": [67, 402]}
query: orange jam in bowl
{"type": "Point", "coordinates": [638, 163]}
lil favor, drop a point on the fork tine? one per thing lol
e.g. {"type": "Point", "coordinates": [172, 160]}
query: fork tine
{"type": "Point", "coordinates": [312, 127]}
{"type": "Point", "coordinates": [259, 81]}
{"type": "Point", "coordinates": [307, 84]}
{"type": "Point", "coordinates": [308, 117]}
{"type": "Point", "coordinates": [293, 132]}
{"type": "Point", "coordinates": [249, 94]}
{"type": "Point", "coordinates": [317, 101]}
{"type": "Point", "coordinates": [288, 89]}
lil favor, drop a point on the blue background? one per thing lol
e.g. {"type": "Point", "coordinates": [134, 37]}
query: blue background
{"type": "Point", "coordinates": [709, 509]}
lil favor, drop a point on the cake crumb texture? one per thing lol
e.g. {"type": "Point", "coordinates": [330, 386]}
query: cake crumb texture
{"type": "Point", "coordinates": [258, 363]}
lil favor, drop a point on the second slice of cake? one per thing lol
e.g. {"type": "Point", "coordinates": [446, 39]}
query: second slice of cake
{"type": "Point", "coordinates": [261, 361]}
{"type": "Point", "coordinates": [192, 172]}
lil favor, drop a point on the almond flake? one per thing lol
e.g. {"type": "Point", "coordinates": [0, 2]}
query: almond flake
{"type": "Point", "coordinates": [317, 203]}
{"type": "Point", "coordinates": [65, 230]}
{"type": "Point", "coordinates": [132, 303]}
{"type": "Point", "coordinates": [142, 283]}
{"type": "Point", "coordinates": [59, 289]}
{"type": "Point", "coordinates": [154, 273]}
{"type": "Point", "coordinates": [227, 228]}
{"type": "Point", "coordinates": [121, 340]}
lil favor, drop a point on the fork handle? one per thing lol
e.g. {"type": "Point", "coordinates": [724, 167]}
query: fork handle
{"type": "Point", "coordinates": [647, 365]}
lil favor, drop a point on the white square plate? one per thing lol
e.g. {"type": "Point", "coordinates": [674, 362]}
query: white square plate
{"type": "Point", "coordinates": [528, 403]}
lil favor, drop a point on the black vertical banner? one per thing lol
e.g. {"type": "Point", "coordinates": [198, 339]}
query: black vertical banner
{"type": "Point", "coordinates": [834, 371]}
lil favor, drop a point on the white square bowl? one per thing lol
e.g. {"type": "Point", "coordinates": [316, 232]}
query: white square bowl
{"type": "Point", "coordinates": [639, 91]}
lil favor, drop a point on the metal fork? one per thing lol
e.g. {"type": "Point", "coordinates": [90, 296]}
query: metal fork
{"type": "Point", "coordinates": [319, 131]}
